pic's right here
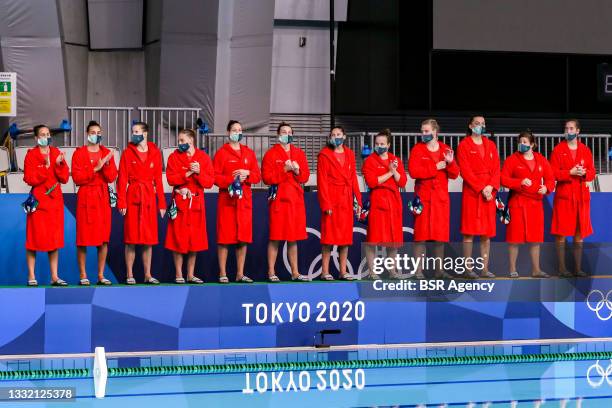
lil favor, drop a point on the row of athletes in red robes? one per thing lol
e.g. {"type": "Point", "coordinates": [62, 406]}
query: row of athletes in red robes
{"type": "Point", "coordinates": [190, 171]}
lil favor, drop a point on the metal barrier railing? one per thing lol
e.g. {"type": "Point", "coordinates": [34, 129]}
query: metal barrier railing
{"type": "Point", "coordinates": [165, 123]}
{"type": "Point", "coordinates": [115, 122]}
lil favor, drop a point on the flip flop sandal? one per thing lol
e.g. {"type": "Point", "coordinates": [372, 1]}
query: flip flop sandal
{"type": "Point", "coordinates": [346, 277]}
{"type": "Point", "coordinates": [581, 274]}
{"type": "Point", "coordinates": [327, 277]}
{"type": "Point", "coordinates": [540, 275]}
{"type": "Point", "coordinates": [373, 277]}
{"type": "Point", "coordinates": [179, 280]}
{"type": "Point", "coordinates": [223, 279]}
{"type": "Point", "coordinates": [488, 274]}
{"type": "Point", "coordinates": [152, 281]}
{"type": "Point", "coordinates": [130, 281]}
{"type": "Point", "coordinates": [274, 278]}
{"type": "Point", "coordinates": [514, 274]}
{"type": "Point", "coordinates": [59, 282]}
{"type": "Point", "coordinates": [565, 274]}
{"type": "Point", "coordinates": [245, 279]}
{"type": "Point", "coordinates": [196, 280]}
{"type": "Point", "coordinates": [300, 278]}
{"type": "Point", "coordinates": [84, 282]}
{"type": "Point", "coordinates": [32, 282]}
{"type": "Point", "coordinates": [104, 282]}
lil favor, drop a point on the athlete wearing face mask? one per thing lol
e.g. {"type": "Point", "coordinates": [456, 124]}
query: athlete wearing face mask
{"type": "Point", "coordinates": [529, 177]}
{"type": "Point", "coordinates": [45, 168]}
{"type": "Point", "coordinates": [432, 164]}
{"type": "Point", "coordinates": [285, 168]}
{"type": "Point", "coordinates": [93, 168]}
{"type": "Point", "coordinates": [479, 164]}
{"type": "Point", "coordinates": [572, 164]}
{"type": "Point", "coordinates": [235, 166]}
{"type": "Point", "coordinates": [338, 193]}
{"type": "Point", "coordinates": [384, 174]}
{"type": "Point", "coordinates": [140, 193]}
{"type": "Point", "coordinates": [189, 171]}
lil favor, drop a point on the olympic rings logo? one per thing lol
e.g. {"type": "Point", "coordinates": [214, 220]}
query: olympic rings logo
{"type": "Point", "coordinates": [601, 302]}
{"type": "Point", "coordinates": [362, 268]}
{"type": "Point", "coordinates": [597, 378]}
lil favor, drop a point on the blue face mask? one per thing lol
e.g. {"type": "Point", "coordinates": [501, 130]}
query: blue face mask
{"type": "Point", "coordinates": [44, 141]}
{"type": "Point", "coordinates": [523, 148]}
{"type": "Point", "coordinates": [235, 137]}
{"type": "Point", "coordinates": [426, 138]}
{"type": "Point", "coordinates": [136, 139]}
{"type": "Point", "coordinates": [380, 150]}
{"type": "Point", "coordinates": [94, 139]}
{"type": "Point", "coordinates": [478, 130]}
{"type": "Point", "coordinates": [183, 147]}
{"type": "Point", "coordinates": [571, 136]}
{"type": "Point", "coordinates": [285, 139]}
{"type": "Point", "coordinates": [337, 141]}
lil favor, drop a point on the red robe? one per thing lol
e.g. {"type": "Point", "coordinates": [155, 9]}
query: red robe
{"type": "Point", "coordinates": [140, 182]}
{"type": "Point", "coordinates": [287, 212]}
{"type": "Point", "coordinates": [478, 214]}
{"type": "Point", "coordinates": [572, 201]}
{"type": "Point", "coordinates": [431, 185]}
{"type": "Point", "coordinates": [234, 215]}
{"type": "Point", "coordinates": [525, 204]}
{"type": "Point", "coordinates": [93, 214]}
{"type": "Point", "coordinates": [45, 226]}
{"type": "Point", "coordinates": [385, 224]}
{"type": "Point", "coordinates": [337, 185]}
{"type": "Point", "coordinates": [187, 232]}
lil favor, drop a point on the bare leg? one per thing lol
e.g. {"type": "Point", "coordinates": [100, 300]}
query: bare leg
{"type": "Point", "coordinates": [102, 253]}
{"type": "Point", "coordinates": [222, 251]}
{"type": "Point", "coordinates": [419, 250]}
{"type": "Point", "coordinates": [53, 261]}
{"type": "Point", "coordinates": [513, 250]}
{"type": "Point", "coordinates": [392, 253]}
{"type": "Point", "coordinates": [534, 252]}
{"type": "Point", "coordinates": [241, 251]}
{"type": "Point", "coordinates": [191, 261]}
{"type": "Point", "coordinates": [343, 255]}
{"type": "Point", "coordinates": [439, 254]}
{"type": "Point", "coordinates": [325, 257]}
{"type": "Point", "coordinates": [292, 254]}
{"type": "Point", "coordinates": [578, 247]}
{"type": "Point", "coordinates": [177, 257]}
{"type": "Point", "coordinates": [485, 250]}
{"type": "Point", "coordinates": [370, 250]}
{"type": "Point", "coordinates": [560, 245]}
{"type": "Point", "coordinates": [147, 253]}
{"type": "Point", "coordinates": [31, 261]}
{"type": "Point", "coordinates": [81, 257]}
{"type": "Point", "coordinates": [130, 255]}
{"type": "Point", "coordinates": [272, 254]}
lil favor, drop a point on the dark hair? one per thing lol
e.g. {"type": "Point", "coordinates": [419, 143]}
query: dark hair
{"type": "Point", "coordinates": [386, 133]}
{"type": "Point", "coordinates": [38, 127]}
{"type": "Point", "coordinates": [143, 126]}
{"type": "Point", "coordinates": [232, 123]}
{"type": "Point", "coordinates": [189, 132]}
{"type": "Point", "coordinates": [337, 127]}
{"type": "Point", "coordinates": [281, 125]}
{"type": "Point", "coordinates": [575, 121]}
{"type": "Point", "coordinates": [529, 135]}
{"type": "Point", "coordinates": [469, 131]}
{"type": "Point", "coordinates": [91, 124]}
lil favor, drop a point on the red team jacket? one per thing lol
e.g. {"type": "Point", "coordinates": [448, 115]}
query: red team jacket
{"type": "Point", "coordinates": [45, 226]}
{"type": "Point", "coordinates": [572, 202]}
{"type": "Point", "coordinates": [385, 221]}
{"type": "Point", "coordinates": [235, 216]}
{"type": "Point", "coordinates": [93, 214]}
{"type": "Point", "coordinates": [187, 232]}
{"type": "Point", "coordinates": [287, 212]}
{"type": "Point", "coordinates": [140, 182]}
{"type": "Point", "coordinates": [478, 214]}
{"type": "Point", "coordinates": [336, 187]}
{"type": "Point", "coordinates": [431, 185]}
{"type": "Point", "coordinates": [525, 204]}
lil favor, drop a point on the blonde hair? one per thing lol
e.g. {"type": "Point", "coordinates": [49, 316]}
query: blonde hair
{"type": "Point", "coordinates": [433, 123]}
